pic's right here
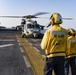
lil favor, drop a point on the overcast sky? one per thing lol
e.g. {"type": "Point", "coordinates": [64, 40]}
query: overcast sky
{"type": "Point", "coordinates": [29, 7]}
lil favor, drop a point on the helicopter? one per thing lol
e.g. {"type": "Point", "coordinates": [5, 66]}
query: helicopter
{"type": "Point", "coordinates": [31, 27]}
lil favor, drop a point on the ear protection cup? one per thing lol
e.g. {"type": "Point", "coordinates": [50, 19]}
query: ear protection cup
{"type": "Point", "coordinates": [52, 19]}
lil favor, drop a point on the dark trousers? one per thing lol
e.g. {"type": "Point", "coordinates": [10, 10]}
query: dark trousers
{"type": "Point", "coordinates": [70, 63]}
{"type": "Point", "coordinates": [56, 64]}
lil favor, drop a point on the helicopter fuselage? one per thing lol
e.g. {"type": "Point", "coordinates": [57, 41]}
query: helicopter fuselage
{"type": "Point", "coordinates": [31, 28]}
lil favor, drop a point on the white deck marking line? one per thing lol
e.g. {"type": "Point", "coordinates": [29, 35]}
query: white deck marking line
{"type": "Point", "coordinates": [19, 44]}
{"type": "Point", "coordinates": [17, 40]}
{"type": "Point", "coordinates": [27, 40]}
{"type": "Point", "coordinates": [36, 49]}
{"type": "Point", "coordinates": [30, 43]}
{"type": "Point", "coordinates": [6, 45]}
{"type": "Point", "coordinates": [44, 56]}
{"type": "Point", "coordinates": [7, 40]}
{"type": "Point", "coordinates": [25, 58]}
{"type": "Point", "coordinates": [26, 61]}
{"type": "Point", "coordinates": [21, 50]}
{"type": "Point", "coordinates": [37, 45]}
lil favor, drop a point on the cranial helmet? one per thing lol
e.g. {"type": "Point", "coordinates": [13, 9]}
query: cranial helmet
{"type": "Point", "coordinates": [71, 31]}
{"type": "Point", "coordinates": [56, 18]}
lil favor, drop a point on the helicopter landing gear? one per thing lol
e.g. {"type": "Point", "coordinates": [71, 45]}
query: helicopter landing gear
{"type": "Point", "coordinates": [23, 36]}
{"type": "Point", "coordinates": [35, 35]}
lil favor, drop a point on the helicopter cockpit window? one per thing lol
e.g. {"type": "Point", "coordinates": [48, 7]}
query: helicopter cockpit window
{"type": "Point", "coordinates": [35, 26]}
{"type": "Point", "coordinates": [32, 26]}
{"type": "Point", "coordinates": [29, 26]}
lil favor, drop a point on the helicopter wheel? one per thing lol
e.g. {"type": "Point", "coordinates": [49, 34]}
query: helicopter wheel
{"type": "Point", "coordinates": [23, 36]}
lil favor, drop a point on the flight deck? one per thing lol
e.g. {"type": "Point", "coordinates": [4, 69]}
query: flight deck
{"type": "Point", "coordinates": [20, 56]}
{"type": "Point", "coordinates": [13, 61]}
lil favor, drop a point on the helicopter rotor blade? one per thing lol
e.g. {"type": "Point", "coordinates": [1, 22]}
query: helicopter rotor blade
{"type": "Point", "coordinates": [67, 18]}
{"type": "Point", "coordinates": [49, 18]}
{"type": "Point", "coordinates": [40, 13]}
{"type": "Point", "coordinates": [43, 17]}
{"type": "Point", "coordinates": [34, 16]}
{"type": "Point", "coordinates": [31, 16]}
{"type": "Point", "coordinates": [11, 16]}
{"type": "Point", "coordinates": [62, 18]}
{"type": "Point", "coordinates": [27, 16]}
